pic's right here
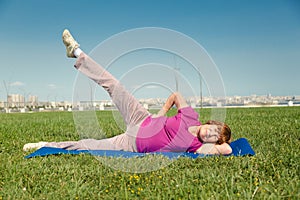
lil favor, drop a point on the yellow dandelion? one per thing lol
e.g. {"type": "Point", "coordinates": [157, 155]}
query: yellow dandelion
{"type": "Point", "coordinates": [256, 181]}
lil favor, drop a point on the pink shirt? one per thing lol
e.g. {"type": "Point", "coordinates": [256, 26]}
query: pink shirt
{"type": "Point", "coordinates": [169, 133]}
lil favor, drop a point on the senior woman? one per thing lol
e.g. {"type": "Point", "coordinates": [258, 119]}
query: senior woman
{"type": "Point", "coordinates": [145, 132]}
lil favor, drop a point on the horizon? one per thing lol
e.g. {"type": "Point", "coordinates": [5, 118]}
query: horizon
{"type": "Point", "coordinates": [188, 98]}
{"type": "Point", "coordinates": [254, 44]}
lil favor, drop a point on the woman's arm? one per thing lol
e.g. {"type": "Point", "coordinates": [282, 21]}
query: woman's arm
{"type": "Point", "coordinates": [174, 99]}
{"type": "Point", "coordinates": [215, 149]}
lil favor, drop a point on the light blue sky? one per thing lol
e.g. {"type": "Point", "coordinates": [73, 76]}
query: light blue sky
{"type": "Point", "coordinates": [255, 44]}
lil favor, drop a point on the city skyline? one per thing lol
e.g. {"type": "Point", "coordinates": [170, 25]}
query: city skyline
{"type": "Point", "coordinates": [17, 103]}
{"type": "Point", "coordinates": [254, 44]}
{"type": "Point", "coordinates": [31, 99]}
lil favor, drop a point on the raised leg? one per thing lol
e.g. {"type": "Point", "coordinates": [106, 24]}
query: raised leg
{"type": "Point", "coordinates": [131, 110]}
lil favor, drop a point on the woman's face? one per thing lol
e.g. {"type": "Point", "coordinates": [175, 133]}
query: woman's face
{"type": "Point", "coordinates": [209, 133]}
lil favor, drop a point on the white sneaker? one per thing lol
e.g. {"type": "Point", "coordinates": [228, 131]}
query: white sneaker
{"type": "Point", "coordinates": [70, 43]}
{"type": "Point", "coordinates": [30, 146]}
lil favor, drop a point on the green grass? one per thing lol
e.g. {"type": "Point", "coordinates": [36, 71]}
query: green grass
{"type": "Point", "coordinates": [273, 173]}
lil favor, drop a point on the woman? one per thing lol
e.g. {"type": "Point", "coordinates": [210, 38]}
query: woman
{"type": "Point", "coordinates": [145, 132]}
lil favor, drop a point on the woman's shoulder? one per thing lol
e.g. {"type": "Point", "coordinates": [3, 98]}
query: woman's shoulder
{"type": "Point", "coordinates": [189, 115]}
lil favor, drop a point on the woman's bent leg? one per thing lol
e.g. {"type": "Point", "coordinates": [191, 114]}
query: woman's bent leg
{"type": "Point", "coordinates": [131, 110]}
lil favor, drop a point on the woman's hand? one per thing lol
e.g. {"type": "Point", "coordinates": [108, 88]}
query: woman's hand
{"type": "Point", "coordinates": [174, 99]}
{"type": "Point", "coordinates": [213, 149]}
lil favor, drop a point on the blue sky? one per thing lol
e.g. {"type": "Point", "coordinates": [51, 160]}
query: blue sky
{"type": "Point", "coordinates": [255, 44]}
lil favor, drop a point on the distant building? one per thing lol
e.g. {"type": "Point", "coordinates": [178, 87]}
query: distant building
{"type": "Point", "coordinates": [15, 100]}
{"type": "Point", "coordinates": [33, 100]}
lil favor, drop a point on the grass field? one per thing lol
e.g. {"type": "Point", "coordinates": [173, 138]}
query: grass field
{"type": "Point", "coordinates": [273, 173]}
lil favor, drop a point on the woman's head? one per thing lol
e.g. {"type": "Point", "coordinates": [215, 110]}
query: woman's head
{"type": "Point", "coordinates": [215, 132]}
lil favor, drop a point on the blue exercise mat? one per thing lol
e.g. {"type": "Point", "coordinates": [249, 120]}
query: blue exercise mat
{"type": "Point", "coordinates": [240, 147]}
